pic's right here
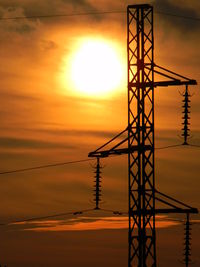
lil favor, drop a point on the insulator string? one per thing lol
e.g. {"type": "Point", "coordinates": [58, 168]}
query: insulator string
{"type": "Point", "coordinates": [186, 118]}
{"type": "Point", "coordinates": [187, 243]}
{"type": "Point", "coordinates": [97, 184]}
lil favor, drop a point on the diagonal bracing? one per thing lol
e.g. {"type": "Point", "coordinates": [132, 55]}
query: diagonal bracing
{"type": "Point", "coordinates": [137, 140]}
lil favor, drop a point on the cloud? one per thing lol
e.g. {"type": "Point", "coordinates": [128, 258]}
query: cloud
{"type": "Point", "coordinates": [25, 143]}
{"type": "Point", "coordinates": [34, 8]}
{"type": "Point", "coordinates": [48, 45]}
{"type": "Point", "coordinates": [21, 26]}
{"type": "Point", "coordinates": [80, 4]}
{"type": "Point", "coordinates": [88, 224]}
{"type": "Point", "coordinates": [5, 95]}
{"type": "Point", "coordinates": [68, 132]}
{"type": "Point", "coordinates": [179, 8]}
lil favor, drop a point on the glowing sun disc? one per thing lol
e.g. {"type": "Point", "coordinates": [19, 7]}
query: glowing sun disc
{"type": "Point", "coordinates": [96, 68]}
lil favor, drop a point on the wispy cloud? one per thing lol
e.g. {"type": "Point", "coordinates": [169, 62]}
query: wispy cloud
{"type": "Point", "coordinates": [25, 143]}
{"type": "Point", "coordinates": [88, 224]}
{"type": "Point", "coordinates": [179, 8]}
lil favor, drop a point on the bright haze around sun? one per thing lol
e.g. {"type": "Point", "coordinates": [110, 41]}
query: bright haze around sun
{"type": "Point", "coordinates": [64, 94]}
{"type": "Point", "coordinates": [95, 68]}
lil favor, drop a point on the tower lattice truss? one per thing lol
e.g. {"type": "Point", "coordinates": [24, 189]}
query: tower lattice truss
{"type": "Point", "coordinates": [137, 140]}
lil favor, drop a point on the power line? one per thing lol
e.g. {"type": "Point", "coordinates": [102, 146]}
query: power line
{"type": "Point", "coordinates": [45, 166]}
{"type": "Point", "coordinates": [63, 15]}
{"type": "Point", "coordinates": [115, 212]}
{"type": "Point", "coordinates": [47, 217]}
{"type": "Point", "coordinates": [76, 161]}
{"type": "Point", "coordinates": [179, 16]}
{"type": "Point", "coordinates": [91, 14]}
{"type": "Point", "coordinates": [194, 145]}
{"type": "Point", "coordinates": [74, 213]}
{"type": "Point", "coordinates": [178, 145]}
{"type": "Point", "coordinates": [171, 146]}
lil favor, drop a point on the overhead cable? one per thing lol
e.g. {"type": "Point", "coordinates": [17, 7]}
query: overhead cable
{"type": "Point", "coordinates": [91, 14]}
{"type": "Point", "coordinates": [64, 214]}
{"type": "Point", "coordinates": [77, 161]}
{"type": "Point", "coordinates": [194, 145]}
{"type": "Point", "coordinates": [61, 15]}
{"type": "Point", "coordinates": [45, 166]}
{"type": "Point", "coordinates": [165, 147]}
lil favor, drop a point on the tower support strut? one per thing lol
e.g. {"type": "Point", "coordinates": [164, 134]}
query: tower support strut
{"type": "Point", "coordinates": [141, 171]}
{"type": "Point", "coordinates": [138, 142]}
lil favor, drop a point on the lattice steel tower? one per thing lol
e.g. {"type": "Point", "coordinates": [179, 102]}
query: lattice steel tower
{"type": "Point", "coordinates": [138, 142]}
{"type": "Point", "coordinates": [141, 135]}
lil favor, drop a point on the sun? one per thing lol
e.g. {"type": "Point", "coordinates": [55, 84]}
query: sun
{"type": "Point", "coordinates": [96, 69]}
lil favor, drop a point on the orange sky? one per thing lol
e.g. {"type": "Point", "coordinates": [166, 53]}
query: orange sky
{"type": "Point", "coordinates": [45, 120]}
{"type": "Point", "coordinates": [86, 223]}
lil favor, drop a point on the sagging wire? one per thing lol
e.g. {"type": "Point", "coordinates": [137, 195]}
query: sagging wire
{"type": "Point", "coordinates": [90, 13]}
{"type": "Point", "coordinates": [44, 166]}
{"type": "Point", "coordinates": [97, 199]}
{"type": "Point", "coordinates": [40, 218]}
{"type": "Point", "coordinates": [64, 214]}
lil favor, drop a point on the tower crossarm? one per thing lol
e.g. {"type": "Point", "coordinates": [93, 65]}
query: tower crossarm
{"type": "Point", "coordinates": [171, 78]}
{"type": "Point", "coordinates": [172, 205]}
{"type": "Point", "coordinates": [119, 151]}
{"type": "Point", "coordinates": [111, 145]}
{"type": "Point", "coordinates": [165, 211]}
{"type": "Point", "coordinates": [166, 83]}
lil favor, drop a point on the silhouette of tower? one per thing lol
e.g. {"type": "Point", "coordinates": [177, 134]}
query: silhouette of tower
{"type": "Point", "coordinates": [141, 135]}
{"type": "Point", "coordinates": [138, 142]}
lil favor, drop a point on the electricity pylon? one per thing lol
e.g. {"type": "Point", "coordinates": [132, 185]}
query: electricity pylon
{"type": "Point", "coordinates": [138, 142]}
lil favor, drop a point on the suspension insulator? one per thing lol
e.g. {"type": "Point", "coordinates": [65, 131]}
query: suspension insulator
{"type": "Point", "coordinates": [97, 184]}
{"type": "Point", "coordinates": [187, 243]}
{"type": "Point", "coordinates": [186, 118]}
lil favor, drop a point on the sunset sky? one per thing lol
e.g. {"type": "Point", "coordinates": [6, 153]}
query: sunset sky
{"type": "Point", "coordinates": [63, 94]}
